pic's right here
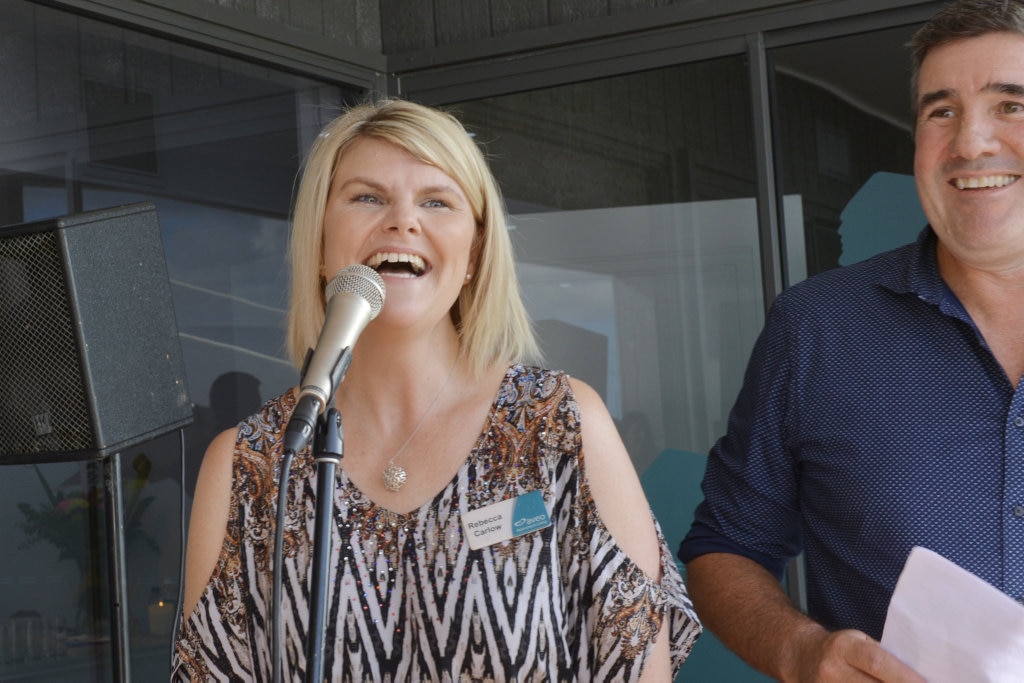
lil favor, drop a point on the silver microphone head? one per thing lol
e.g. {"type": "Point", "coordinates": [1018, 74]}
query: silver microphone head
{"type": "Point", "coordinates": [360, 280]}
{"type": "Point", "coordinates": [354, 296]}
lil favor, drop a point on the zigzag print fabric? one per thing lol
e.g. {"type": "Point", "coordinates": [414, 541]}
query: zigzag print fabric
{"type": "Point", "coordinates": [409, 599]}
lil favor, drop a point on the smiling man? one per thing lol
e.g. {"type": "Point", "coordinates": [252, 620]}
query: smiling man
{"type": "Point", "coordinates": [882, 407]}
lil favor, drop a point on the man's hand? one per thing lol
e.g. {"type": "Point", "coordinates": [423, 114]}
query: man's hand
{"type": "Point", "coordinates": [744, 605]}
{"type": "Point", "coordinates": [823, 657]}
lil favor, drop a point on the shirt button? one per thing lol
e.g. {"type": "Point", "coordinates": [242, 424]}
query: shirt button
{"type": "Point", "coordinates": [1018, 510]}
{"type": "Point", "coordinates": [1018, 421]}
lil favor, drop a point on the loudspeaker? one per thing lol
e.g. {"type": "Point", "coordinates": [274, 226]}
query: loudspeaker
{"type": "Point", "coordinates": [90, 361]}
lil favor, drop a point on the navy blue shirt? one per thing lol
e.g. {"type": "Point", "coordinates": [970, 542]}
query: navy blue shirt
{"type": "Point", "coordinates": [873, 417]}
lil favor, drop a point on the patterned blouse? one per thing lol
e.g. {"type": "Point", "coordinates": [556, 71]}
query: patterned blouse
{"type": "Point", "coordinates": [409, 599]}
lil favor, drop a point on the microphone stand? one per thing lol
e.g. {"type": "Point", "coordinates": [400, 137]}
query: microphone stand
{"type": "Point", "coordinates": [308, 422]}
{"type": "Point", "coordinates": [328, 448]}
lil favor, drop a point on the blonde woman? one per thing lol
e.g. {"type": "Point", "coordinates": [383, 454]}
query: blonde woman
{"type": "Point", "coordinates": [447, 435]}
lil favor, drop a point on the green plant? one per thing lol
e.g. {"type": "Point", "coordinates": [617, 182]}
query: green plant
{"type": "Point", "coordinates": [65, 518]}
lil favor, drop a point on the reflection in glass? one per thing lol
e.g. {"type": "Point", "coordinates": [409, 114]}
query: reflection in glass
{"type": "Point", "coordinates": [670, 312]}
{"type": "Point", "coordinates": [634, 220]}
{"type": "Point", "coordinates": [53, 601]}
{"type": "Point", "coordinates": [97, 115]}
{"type": "Point", "coordinates": [842, 108]}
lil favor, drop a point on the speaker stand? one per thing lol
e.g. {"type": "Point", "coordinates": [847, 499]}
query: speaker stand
{"type": "Point", "coordinates": [119, 624]}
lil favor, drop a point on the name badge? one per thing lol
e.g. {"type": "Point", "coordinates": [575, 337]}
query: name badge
{"type": "Point", "coordinates": [505, 520]}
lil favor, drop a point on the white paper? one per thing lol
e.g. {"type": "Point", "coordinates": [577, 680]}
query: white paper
{"type": "Point", "coordinates": [951, 626]}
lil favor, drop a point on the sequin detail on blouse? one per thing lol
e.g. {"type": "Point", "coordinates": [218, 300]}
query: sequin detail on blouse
{"type": "Point", "coordinates": [409, 600]}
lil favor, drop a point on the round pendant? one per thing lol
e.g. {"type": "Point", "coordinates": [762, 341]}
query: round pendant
{"type": "Point", "coordinates": [394, 477]}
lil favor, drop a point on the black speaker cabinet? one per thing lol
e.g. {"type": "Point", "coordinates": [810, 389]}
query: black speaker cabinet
{"type": "Point", "coordinates": [90, 361]}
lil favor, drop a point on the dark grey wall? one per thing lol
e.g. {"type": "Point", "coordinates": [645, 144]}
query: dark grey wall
{"type": "Point", "coordinates": [362, 40]}
{"type": "Point", "coordinates": [337, 40]}
{"type": "Point", "coordinates": [397, 26]}
{"type": "Point", "coordinates": [421, 24]}
{"type": "Point", "coordinates": [355, 23]}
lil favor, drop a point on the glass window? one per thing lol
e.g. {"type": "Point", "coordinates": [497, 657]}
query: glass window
{"type": "Point", "coordinates": [633, 214]}
{"type": "Point", "coordinates": [97, 115]}
{"type": "Point", "coordinates": [845, 148]}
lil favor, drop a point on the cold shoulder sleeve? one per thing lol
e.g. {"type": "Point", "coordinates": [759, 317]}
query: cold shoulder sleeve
{"type": "Point", "coordinates": [621, 609]}
{"type": "Point", "coordinates": [225, 637]}
{"type": "Point", "coordinates": [562, 603]}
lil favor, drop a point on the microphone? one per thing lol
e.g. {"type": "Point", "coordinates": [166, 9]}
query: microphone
{"type": "Point", "coordinates": [354, 297]}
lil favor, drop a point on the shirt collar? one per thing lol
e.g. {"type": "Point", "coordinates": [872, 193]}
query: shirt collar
{"type": "Point", "coordinates": [918, 271]}
{"type": "Point", "coordinates": [918, 274]}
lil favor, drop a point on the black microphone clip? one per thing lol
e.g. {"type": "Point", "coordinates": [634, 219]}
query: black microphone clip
{"type": "Point", "coordinates": [302, 424]}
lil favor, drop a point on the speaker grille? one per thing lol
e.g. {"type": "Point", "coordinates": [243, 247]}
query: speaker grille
{"type": "Point", "coordinates": [89, 356]}
{"type": "Point", "coordinates": [42, 403]}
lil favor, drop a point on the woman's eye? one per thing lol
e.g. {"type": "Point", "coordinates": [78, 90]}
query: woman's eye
{"type": "Point", "coordinates": [367, 199]}
{"type": "Point", "coordinates": [435, 204]}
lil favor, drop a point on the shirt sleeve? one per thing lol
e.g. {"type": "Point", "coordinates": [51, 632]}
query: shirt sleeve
{"type": "Point", "coordinates": [215, 641]}
{"type": "Point", "coordinates": [624, 608]}
{"type": "Point", "coordinates": [683, 625]}
{"type": "Point", "coordinates": [750, 505]}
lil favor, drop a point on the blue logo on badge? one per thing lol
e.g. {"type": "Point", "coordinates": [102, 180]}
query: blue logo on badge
{"type": "Point", "coordinates": [529, 514]}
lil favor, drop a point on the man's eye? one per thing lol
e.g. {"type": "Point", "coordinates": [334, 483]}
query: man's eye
{"type": "Point", "coordinates": [940, 113]}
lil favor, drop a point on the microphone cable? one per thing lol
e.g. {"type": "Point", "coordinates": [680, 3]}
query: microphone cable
{"type": "Point", "coordinates": [179, 605]}
{"type": "Point", "coordinates": [277, 628]}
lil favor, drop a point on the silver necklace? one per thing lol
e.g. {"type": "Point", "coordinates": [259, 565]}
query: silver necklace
{"type": "Point", "coordinates": [394, 475]}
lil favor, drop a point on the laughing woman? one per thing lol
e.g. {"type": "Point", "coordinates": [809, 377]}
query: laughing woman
{"type": "Point", "coordinates": [443, 422]}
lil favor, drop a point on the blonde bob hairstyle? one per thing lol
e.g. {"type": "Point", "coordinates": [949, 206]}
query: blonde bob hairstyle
{"type": "Point", "coordinates": [489, 314]}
